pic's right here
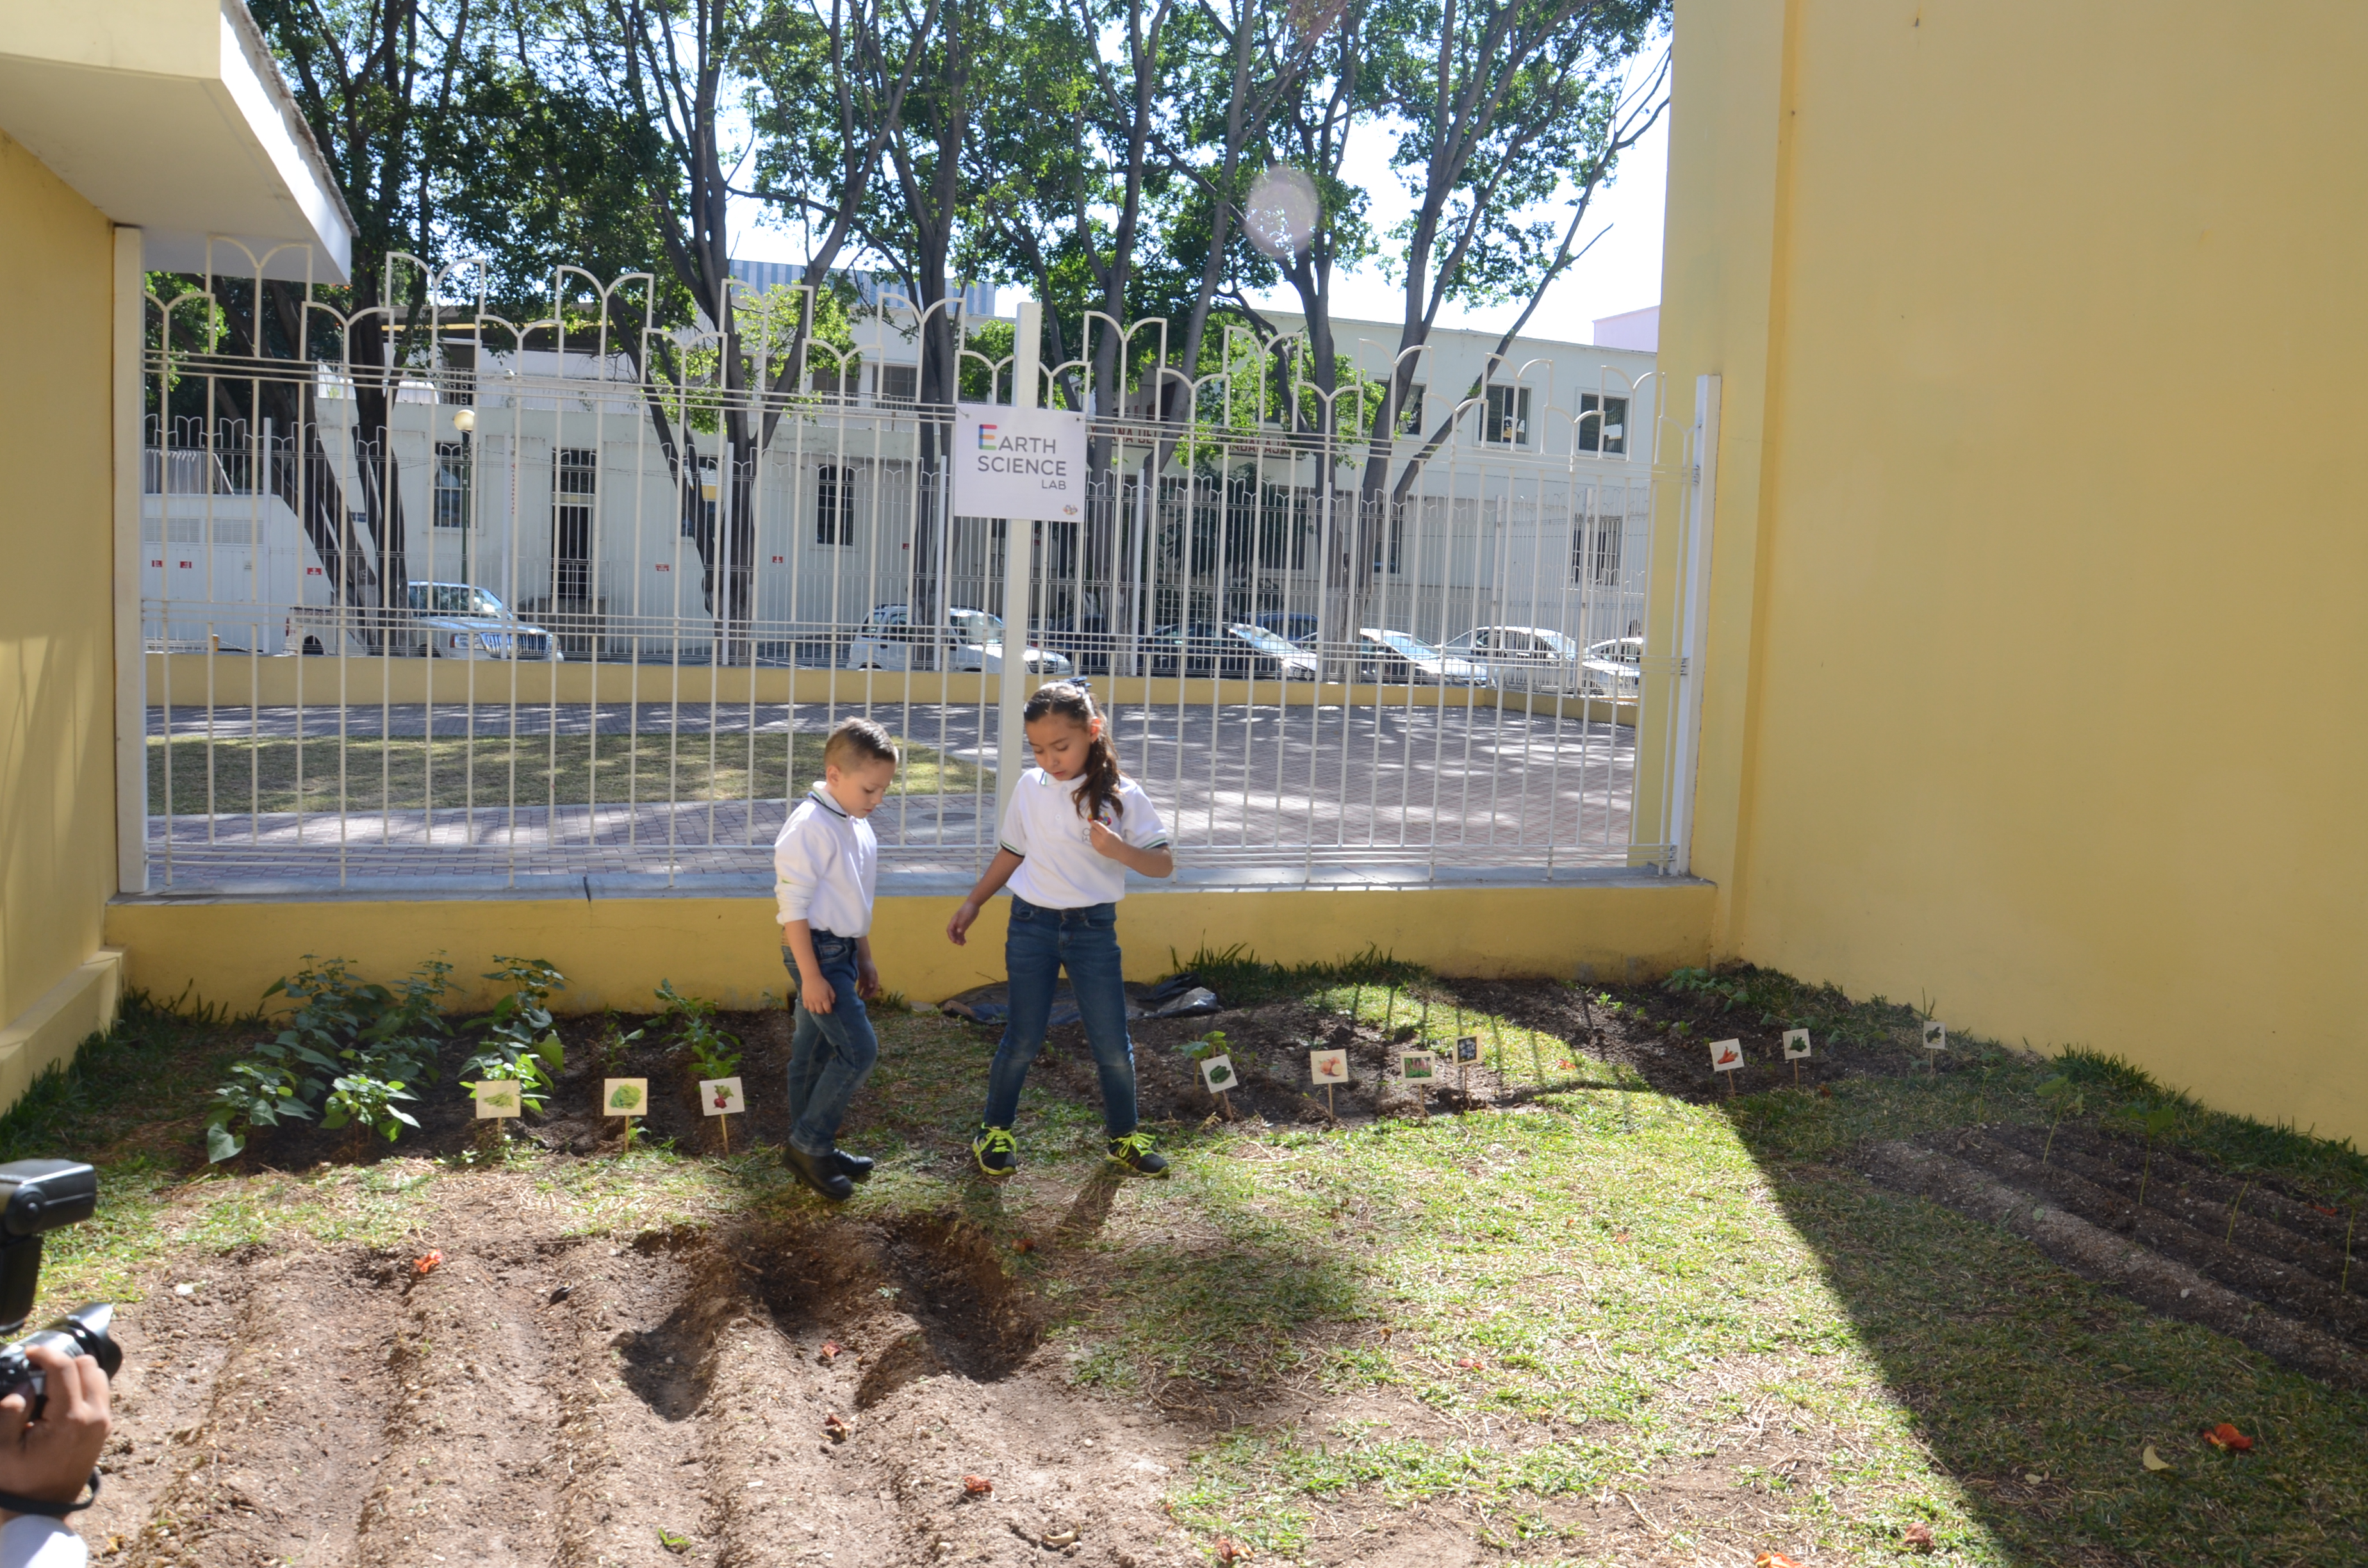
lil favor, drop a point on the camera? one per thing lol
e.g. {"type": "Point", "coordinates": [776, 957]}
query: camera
{"type": "Point", "coordinates": [36, 1197]}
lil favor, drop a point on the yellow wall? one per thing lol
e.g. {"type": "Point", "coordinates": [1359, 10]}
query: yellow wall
{"type": "Point", "coordinates": [57, 773]}
{"type": "Point", "coordinates": [2038, 663]}
{"type": "Point", "coordinates": [615, 951]}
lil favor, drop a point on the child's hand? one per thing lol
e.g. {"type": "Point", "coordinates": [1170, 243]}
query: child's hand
{"type": "Point", "coordinates": [867, 979]}
{"type": "Point", "coordinates": [815, 994]}
{"type": "Point", "coordinates": [959, 926]}
{"type": "Point", "coordinates": [1107, 845]}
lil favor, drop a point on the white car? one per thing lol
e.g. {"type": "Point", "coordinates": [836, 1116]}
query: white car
{"type": "Point", "coordinates": [1613, 667]}
{"type": "Point", "coordinates": [461, 621]}
{"type": "Point", "coordinates": [1521, 658]}
{"type": "Point", "coordinates": [972, 640]}
{"type": "Point", "coordinates": [1400, 658]}
{"type": "Point", "coordinates": [442, 620]}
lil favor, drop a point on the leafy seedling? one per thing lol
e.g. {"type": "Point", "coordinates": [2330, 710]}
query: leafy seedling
{"type": "Point", "coordinates": [677, 1544]}
{"type": "Point", "coordinates": [2068, 1099]}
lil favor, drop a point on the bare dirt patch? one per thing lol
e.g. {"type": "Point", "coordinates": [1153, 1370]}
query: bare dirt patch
{"type": "Point", "coordinates": [774, 1393]}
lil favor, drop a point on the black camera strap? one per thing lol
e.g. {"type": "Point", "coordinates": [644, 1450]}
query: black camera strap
{"type": "Point", "coordinates": [15, 1504]}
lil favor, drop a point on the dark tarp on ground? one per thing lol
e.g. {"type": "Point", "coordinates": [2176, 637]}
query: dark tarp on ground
{"type": "Point", "coordinates": [1177, 997]}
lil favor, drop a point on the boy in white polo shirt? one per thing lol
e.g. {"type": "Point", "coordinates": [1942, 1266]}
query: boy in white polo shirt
{"type": "Point", "coordinates": [825, 864]}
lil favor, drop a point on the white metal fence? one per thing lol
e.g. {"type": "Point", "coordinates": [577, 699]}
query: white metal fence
{"type": "Point", "coordinates": [538, 602]}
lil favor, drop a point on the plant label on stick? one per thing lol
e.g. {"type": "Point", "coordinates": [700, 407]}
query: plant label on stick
{"type": "Point", "coordinates": [1328, 1068]}
{"type": "Point", "coordinates": [721, 1096]}
{"type": "Point", "coordinates": [1935, 1035]}
{"type": "Point", "coordinates": [624, 1097]}
{"type": "Point", "coordinates": [497, 1097]}
{"type": "Point", "coordinates": [1419, 1066]}
{"type": "Point", "coordinates": [1796, 1045]}
{"type": "Point", "coordinates": [1725, 1055]}
{"type": "Point", "coordinates": [1467, 1047]}
{"type": "Point", "coordinates": [1217, 1072]}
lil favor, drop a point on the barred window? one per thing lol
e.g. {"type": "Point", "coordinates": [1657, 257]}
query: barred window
{"type": "Point", "coordinates": [834, 505]}
{"type": "Point", "coordinates": [1602, 424]}
{"type": "Point", "coordinates": [451, 509]}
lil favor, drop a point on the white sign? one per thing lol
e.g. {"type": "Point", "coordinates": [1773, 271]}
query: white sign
{"type": "Point", "coordinates": [1935, 1035]}
{"type": "Point", "coordinates": [1417, 1066]}
{"type": "Point", "coordinates": [1796, 1044]}
{"type": "Point", "coordinates": [721, 1096]}
{"type": "Point", "coordinates": [1218, 1072]}
{"type": "Point", "coordinates": [1022, 464]}
{"type": "Point", "coordinates": [497, 1097]}
{"type": "Point", "coordinates": [1725, 1055]}
{"type": "Point", "coordinates": [1328, 1066]}
{"type": "Point", "coordinates": [624, 1097]}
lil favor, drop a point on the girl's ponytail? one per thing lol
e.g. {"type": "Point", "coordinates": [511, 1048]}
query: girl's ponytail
{"type": "Point", "coordinates": [1096, 792]}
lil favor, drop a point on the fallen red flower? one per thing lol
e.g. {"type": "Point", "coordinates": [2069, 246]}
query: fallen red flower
{"type": "Point", "coordinates": [1917, 1538]}
{"type": "Point", "coordinates": [427, 1265]}
{"type": "Point", "coordinates": [1773, 1559]}
{"type": "Point", "coordinates": [829, 1349]}
{"type": "Point", "coordinates": [2225, 1435]}
{"type": "Point", "coordinates": [1024, 1243]}
{"type": "Point", "coordinates": [977, 1485]}
{"type": "Point", "coordinates": [1227, 1551]}
{"type": "Point", "coordinates": [1467, 1362]}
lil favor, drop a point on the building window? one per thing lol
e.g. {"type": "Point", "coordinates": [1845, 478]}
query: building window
{"type": "Point", "coordinates": [1602, 424]}
{"type": "Point", "coordinates": [572, 492]}
{"type": "Point", "coordinates": [1411, 412]}
{"type": "Point", "coordinates": [836, 381]}
{"type": "Point", "coordinates": [1595, 551]}
{"type": "Point", "coordinates": [834, 505]}
{"type": "Point", "coordinates": [1507, 418]}
{"type": "Point", "coordinates": [451, 510]}
{"type": "Point", "coordinates": [897, 383]}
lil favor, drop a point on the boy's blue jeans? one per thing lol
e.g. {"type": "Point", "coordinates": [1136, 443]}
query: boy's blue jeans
{"type": "Point", "coordinates": [1042, 942]}
{"type": "Point", "coordinates": [831, 1053]}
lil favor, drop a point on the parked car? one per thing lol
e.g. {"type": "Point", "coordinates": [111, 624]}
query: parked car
{"type": "Point", "coordinates": [1520, 658]}
{"type": "Point", "coordinates": [1295, 625]}
{"type": "Point", "coordinates": [441, 620]}
{"type": "Point", "coordinates": [972, 638]}
{"type": "Point", "coordinates": [1399, 658]}
{"type": "Point", "coordinates": [1613, 667]}
{"type": "Point", "coordinates": [1273, 655]}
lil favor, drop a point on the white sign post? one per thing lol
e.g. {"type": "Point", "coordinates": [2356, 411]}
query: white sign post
{"type": "Point", "coordinates": [1796, 1049]}
{"type": "Point", "coordinates": [1026, 464]}
{"type": "Point", "coordinates": [1726, 1056]}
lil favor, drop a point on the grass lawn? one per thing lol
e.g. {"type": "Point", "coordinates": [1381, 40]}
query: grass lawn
{"type": "Point", "coordinates": [1601, 1321]}
{"type": "Point", "coordinates": [407, 773]}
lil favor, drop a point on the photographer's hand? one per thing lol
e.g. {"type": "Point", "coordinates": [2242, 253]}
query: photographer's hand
{"type": "Point", "coordinates": [52, 1459]}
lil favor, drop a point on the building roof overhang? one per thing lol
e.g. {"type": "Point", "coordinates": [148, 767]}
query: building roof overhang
{"type": "Point", "coordinates": [171, 116]}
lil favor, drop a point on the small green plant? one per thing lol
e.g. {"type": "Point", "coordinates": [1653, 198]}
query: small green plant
{"type": "Point", "coordinates": [367, 1103]}
{"type": "Point", "coordinates": [341, 1030]}
{"type": "Point", "coordinates": [2068, 1100]}
{"type": "Point", "coordinates": [713, 1054]}
{"type": "Point", "coordinates": [520, 1022]}
{"type": "Point", "coordinates": [610, 1048]}
{"type": "Point", "coordinates": [527, 1072]}
{"type": "Point", "coordinates": [677, 1544]}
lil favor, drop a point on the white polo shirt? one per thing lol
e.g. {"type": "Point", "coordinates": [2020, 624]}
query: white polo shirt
{"type": "Point", "coordinates": [1058, 867]}
{"type": "Point", "coordinates": [825, 864]}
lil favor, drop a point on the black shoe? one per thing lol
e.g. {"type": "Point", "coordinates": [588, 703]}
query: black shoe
{"type": "Point", "coordinates": [823, 1175]}
{"type": "Point", "coordinates": [854, 1167]}
{"type": "Point", "coordinates": [1134, 1152]}
{"type": "Point", "coordinates": [996, 1150]}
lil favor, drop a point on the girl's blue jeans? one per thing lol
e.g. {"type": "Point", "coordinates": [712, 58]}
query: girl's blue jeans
{"type": "Point", "coordinates": [830, 1053]}
{"type": "Point", "coordinates": [1041, 944]}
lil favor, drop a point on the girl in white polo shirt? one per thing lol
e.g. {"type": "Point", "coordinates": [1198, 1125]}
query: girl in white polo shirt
{"type": "Point", "coordinates": [1074, 827]}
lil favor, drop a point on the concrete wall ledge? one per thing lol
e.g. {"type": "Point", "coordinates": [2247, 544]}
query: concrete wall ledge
{"type": "Point", "coordinates": [723, 943]}
{"type": "Point", "coordinates": [49, 1032]}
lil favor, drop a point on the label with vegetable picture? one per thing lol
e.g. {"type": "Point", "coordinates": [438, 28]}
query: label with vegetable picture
{"type": "Point", "coordinates": [624, 1097]}
{"type": "Point", "coordinates": [721, 1096]}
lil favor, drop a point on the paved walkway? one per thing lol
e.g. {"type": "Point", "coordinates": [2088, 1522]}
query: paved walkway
{"type": "Point", "coordinates": [1260, 787]}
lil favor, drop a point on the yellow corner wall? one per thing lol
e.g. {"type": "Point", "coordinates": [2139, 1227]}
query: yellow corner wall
{"type": "Point", "coordinates": [615, 951]}
{"type": "Point", "coordinates": [2035, 667]}
{"type": "Point", "coordinates": [57, 774]}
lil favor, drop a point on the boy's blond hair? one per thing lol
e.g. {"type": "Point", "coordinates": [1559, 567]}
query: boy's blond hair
{"type": "Point", "coordinates": [858, 741]}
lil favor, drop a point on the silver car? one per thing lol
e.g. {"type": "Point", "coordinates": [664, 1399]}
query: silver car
{"type": "Point", "coordinates": [1521, 658]}
{"type": "Point", "coordinates": [458, 621]}
{"type": "Point", "coordinates": [976, 639]}
{"type": "Point", "coordinates": [1400, 658]}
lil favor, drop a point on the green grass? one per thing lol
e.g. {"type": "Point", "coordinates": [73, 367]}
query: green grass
{"type": "Point", "coordinates": [412, 772]}
{"type": "Point", "coordinates": [1501, 1317]}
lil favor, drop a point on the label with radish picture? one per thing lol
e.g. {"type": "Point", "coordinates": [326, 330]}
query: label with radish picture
{"type": "Point", "coordinates": [721, 1096]}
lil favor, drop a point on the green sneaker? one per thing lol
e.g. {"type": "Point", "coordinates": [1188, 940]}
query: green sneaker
{"type": "Point", "coordinates": [997, 1152]}
{"type": "Point", "coordinates": [1134, 1152]}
